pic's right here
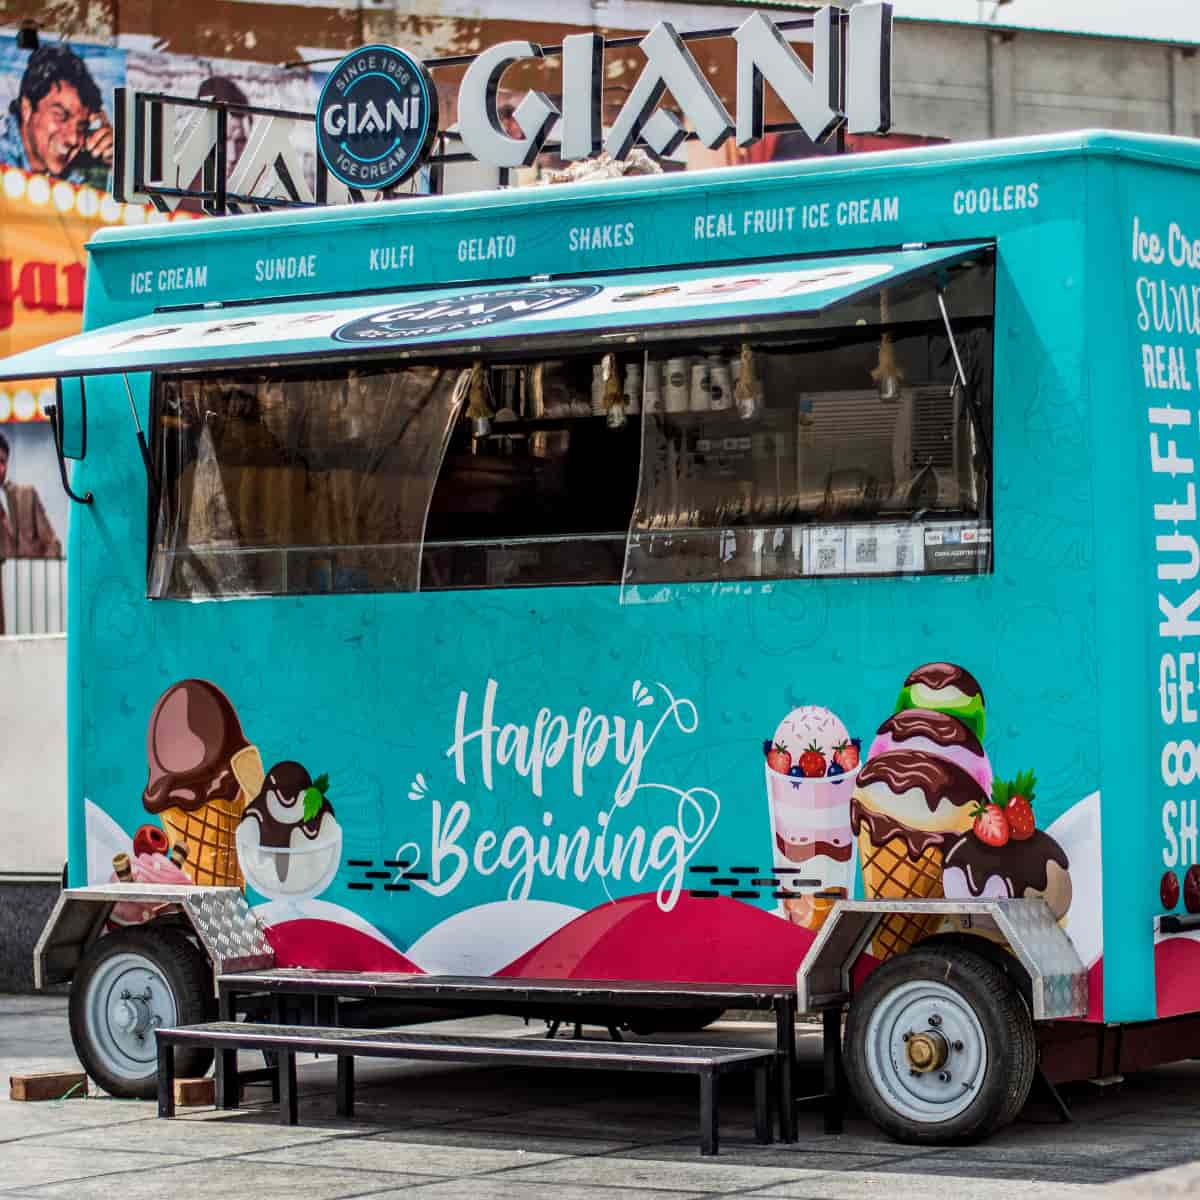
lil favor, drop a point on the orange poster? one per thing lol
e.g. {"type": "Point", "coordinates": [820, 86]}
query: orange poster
{"type": "Point", "coordinates": [44, 226]}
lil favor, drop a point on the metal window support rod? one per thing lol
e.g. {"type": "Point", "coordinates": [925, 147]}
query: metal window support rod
{"type": "Point", "coordinates": [968, 392]}
{"type": "Point", "coordinates": [461, 60]}
{"type": "Point", "coordinates": [143, 446]}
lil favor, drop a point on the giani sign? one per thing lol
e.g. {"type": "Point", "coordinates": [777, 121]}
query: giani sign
{"type": "Point", "coordinates": [164, 159]}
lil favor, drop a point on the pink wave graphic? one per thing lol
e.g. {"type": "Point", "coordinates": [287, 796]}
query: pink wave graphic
{"type": "Point", "coordinates": [328, 946]}
{"type": "Point", "coordinates": [1095, 1010]}
{"type": "Point", "coordinates": [1177, 976]}
{"type": "Point", "coordinates": [718, 940]}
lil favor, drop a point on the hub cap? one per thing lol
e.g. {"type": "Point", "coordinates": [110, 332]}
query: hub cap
{"type": "Point", "coordinates": [127, 999]}
{"type": "Point", "coordinates": [925, 1051]}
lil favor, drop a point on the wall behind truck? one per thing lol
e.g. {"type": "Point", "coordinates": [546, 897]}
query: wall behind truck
{"type": "Point", "coordinates": [33, 790]}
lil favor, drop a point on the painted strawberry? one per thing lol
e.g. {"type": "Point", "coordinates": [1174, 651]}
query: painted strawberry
{"type": "Point", "coordinates": [846, 754]}
{"type": "Point", "coordinates": [778, 758]}
{"type": "Point", "coordinates": [812, 762]}
{"type": "Point", "coordinates": [1018, 807]}
{"type": "Point", "coordinates": [991, 825]}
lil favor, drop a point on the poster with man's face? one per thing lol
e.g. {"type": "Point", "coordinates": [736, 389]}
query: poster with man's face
{"type": "Point", "coordinates": [56, 109]}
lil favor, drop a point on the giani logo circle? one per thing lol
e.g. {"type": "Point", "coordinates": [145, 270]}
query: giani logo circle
{"type": "Point", "coordinates": [376, 117]}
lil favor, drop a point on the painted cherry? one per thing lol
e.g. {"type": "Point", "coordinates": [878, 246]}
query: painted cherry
{"type": "Point", "coordinates": [149, 839]}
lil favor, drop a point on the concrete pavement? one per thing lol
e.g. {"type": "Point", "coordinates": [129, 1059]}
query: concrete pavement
{"type": "Point", "coordinates": [528, 1135]}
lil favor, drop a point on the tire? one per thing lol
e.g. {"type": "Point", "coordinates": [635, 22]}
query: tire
{"type": "Point", "coordinates": [987, 1035]}
{"type": "Point", "coordinates": [682, 1020]}
{"type": "Point", "coordinates": [112, 1020]}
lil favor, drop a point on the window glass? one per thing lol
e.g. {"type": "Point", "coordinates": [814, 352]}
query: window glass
{"type": "Point", "coordinates": [546, 494]}
{"type": "Point", "coordinates": [828, 451]}
{"type": "Point", "coordinates": [310, 481]}
{"type": "Point", "coordinates": [838, 444]}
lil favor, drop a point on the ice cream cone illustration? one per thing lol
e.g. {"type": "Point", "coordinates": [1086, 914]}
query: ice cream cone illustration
{"type": "Point", "coordinates": [926, 775]}
{"type": "Point", "coordinates": [193, 738]}
{"type": "Point", "coordinates": [289, 842]}
{"type": "Point", "coordinates": [811, 764]}
{"type": "Point", "coordinates": [907, 805]}
{"type": "Point", "coordinates": [209, 832]}
{"type": "Point", "coordinates": [887, 871]}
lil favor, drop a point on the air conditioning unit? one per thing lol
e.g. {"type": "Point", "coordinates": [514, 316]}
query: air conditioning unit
{"type": "Point", "coordinates": [845, 445]}
{"type": "Point", "coordinates": [930, 444]}
{"type": "Point", "coordinates": [854, 447]}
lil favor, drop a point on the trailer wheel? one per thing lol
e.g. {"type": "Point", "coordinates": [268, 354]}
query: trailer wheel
{"type": "Point", "coordinates": [127, 985]}
{"type": "Point", "coordinates": [940, 1047]}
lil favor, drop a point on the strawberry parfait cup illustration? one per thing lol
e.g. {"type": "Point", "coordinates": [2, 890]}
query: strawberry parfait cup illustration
{"type": "Point", "coordinates": [289, 842]}
{"type": "Point", "coordinates": [811, 765]}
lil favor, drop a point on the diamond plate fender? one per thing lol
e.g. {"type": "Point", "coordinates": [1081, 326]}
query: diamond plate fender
{"type": "Point", "coordinates": [230, 933]}
{"type": "Point", "coordinates": [1057, 975]}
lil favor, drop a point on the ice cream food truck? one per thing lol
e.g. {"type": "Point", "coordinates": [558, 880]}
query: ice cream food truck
{"type": "Point", "coordinates": [631, 599]}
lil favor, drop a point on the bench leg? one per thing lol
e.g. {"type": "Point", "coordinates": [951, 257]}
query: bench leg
{"type": "Point", "coordinates": [831, 1038]}
{"type": "Point", "coordinates": [228, 1083]}
{"type": "Point", "coordinates": [345, 1085]}
{"type": "Point", "coordinates": [288, 1107]}
{"type": "Point", "coordinates": [709, 1102]}
{"type": "Point", "coordinates": [276, 1019]}
{"type": "Point", "coordinates": [762, 1104]}
{"type": "Point", "coordinates": [785, 1049]}
{"type": "Point", "coordinates": [166, 1078]}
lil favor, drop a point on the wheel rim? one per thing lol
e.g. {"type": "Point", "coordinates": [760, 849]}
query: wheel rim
{"type": "Point", "coordinates": [127, 999]}
{"type": "Point", "coordinates": [926, 1052]}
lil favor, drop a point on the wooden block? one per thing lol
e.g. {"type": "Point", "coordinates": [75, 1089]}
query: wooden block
{"type": "Point", "coordinates": [48, 1085]}
{"type": "Point", "coordinates": [193, 1093]}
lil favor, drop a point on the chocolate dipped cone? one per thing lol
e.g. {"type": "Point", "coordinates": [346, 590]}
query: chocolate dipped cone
{"type": "Point", "coordinates": [889, 873]}
{"type": "Point", "coordinates": [907, 806]}
{"type": "Point", "coordinates": [209, 833]}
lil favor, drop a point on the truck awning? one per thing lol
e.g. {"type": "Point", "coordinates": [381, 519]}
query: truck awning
{"type": "Point", "coordinates": [604, 307]}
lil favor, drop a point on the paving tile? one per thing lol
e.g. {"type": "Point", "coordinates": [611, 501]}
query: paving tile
{"type": "Point", "coordinates": [1156, 1157]}
{"type": "Point", "coordinates": [25, 1166]}
{"type": "Point", "coordinates": [938, 1167]}
{"type": "Point", "coordinates": [697, 1174]}
{"type": "Point", "coordinates": [873, 1186]}
{"type": "Point", "coordinates": [480, 1136]}
{"type": "Point", "coordinates": [377, 1153]}
{"type": "Point", "coordinates": [192, 1136]}
{"type": "Point", "coordinates": [502, 1187]}
{"type": "Point", "coordinates": [224, 1179]}
{"type": "Point", "coordinates": [779, 1155]}
{"type": "Point", "coordinates": [19, 1120]}
{"type": "Point", "coordinates": [1175, 1183]}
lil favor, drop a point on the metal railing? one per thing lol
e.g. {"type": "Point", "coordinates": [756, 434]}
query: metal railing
{"type": "Point", "coordinates": [34, 594]}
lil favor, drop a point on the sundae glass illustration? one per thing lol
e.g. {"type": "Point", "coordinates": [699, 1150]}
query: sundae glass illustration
{"type": "Point", "coordinates": [811, 766]}
{"type": "Point", "coordinates": [289, 843]}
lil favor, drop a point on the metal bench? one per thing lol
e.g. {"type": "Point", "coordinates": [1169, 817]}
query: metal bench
{"type": "Point", "coordinates": [709, 1063]}
{"type": "Point", "coordinates": [603, 1000]}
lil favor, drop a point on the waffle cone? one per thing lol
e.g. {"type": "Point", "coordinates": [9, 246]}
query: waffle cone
{"type": "Point", "coordinates": [209, 832]}
{"type": "Point", "coordinates": [889, 874]}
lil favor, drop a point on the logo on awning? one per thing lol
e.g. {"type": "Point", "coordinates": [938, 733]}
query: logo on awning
{"type": "Point", "coordinates": [462, 313]}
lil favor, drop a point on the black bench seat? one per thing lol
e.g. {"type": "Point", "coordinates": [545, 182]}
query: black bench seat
{"type": "Point", "coordinates": [709, 1063]}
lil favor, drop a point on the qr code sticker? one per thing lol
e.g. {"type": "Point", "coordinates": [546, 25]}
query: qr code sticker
{"type": "Point", "coordinates": [826, 558]}
{"type": "Point", "coordinates": [866, 551]}
{"type": "Point", "coordinates": [903, 551]}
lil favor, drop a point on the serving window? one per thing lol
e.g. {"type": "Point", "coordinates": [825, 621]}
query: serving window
{"type": "Point", "coordinates": [855, 442]}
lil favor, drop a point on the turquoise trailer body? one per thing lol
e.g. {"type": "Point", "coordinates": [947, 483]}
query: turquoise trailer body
{"type": "Point", "coordinates": [569, 780]}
